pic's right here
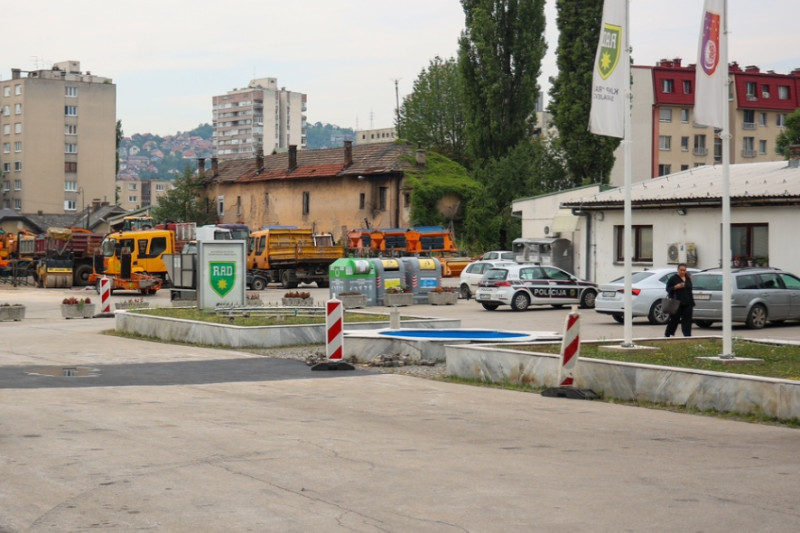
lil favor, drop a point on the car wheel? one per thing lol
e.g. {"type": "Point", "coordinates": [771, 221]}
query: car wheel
{"type": "Point", "coordinates": [657, 315]}
{"type": "Point", "coordinates": [587, 299]}
{"type": "Point", "coordinates": [490, 307]}
{"type": "Point", "coordinates": [464, 293]}
{"type": "Point", "coordinates": [619, 317]}
{"type": "Point", "coordinates": [757, 317]}
{"type": "Point", "coordinates": [703, 323]}
{"type": "Point", "coordinates": [520, 301]}
{"type": "Point", "coordinates": [258, 284]}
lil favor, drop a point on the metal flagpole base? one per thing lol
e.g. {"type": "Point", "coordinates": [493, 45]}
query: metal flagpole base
{"type": "Point", "coordinates": [571, 393]}
{"type": "Point", "coordinates": [333, 365]}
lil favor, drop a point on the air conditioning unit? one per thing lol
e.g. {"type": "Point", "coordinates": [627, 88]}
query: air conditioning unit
{"type": "Point", "coordinates": [765, 94]}
{"type": "Point", "coordinates": [682, 252]}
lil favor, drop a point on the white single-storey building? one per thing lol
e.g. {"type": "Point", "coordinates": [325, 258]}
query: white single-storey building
{"type": "Point", "coordinates": [677, 218]}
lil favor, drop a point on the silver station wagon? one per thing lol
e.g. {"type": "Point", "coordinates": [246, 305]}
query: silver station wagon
{"type": "Point", "coordinates": [758, 295]}
{"type": "Point", "coordinates": [523, 285]}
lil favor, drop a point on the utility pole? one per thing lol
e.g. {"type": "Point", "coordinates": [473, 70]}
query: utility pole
{"type": "Point", "coordinates": [397, 99]}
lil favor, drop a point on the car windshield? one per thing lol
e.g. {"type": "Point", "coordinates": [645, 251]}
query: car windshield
{"type": "Point", "coordinates": [496, 274]}
{"type": "Point", "coordinates": [636, 277]}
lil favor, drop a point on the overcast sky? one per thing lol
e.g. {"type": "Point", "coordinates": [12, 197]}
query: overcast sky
{"type": "Point", "coordinates": [169, 57]}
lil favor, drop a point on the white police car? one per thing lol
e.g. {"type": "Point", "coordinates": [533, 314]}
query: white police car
{"type": "Point", "coordinates": [523, 285]}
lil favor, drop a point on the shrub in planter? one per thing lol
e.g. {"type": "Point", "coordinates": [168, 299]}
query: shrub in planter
{"type": "Point", "coordinates": [297, 298]}
{"type": "Point", "coordinates": [443, 296]}
{"type": "Point", "coordinates": [352, 300]}
{"type": "Point", "coordinates": [399, 296]}
{"type": "Point", "coordinates": [77, 307]}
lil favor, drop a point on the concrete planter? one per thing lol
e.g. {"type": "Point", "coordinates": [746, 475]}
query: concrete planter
{"type": "Point", "coordinates": [442, 298]}
{"type": "Point", "coordinates": [353, 301]}
{"type": "Point", "coordinates": [12, 312]}
{"type": "Point", "coordinates": [297, 302]}
{"type": "Point", "coordinates": [77, 310]}
{"type": "Point", "coordinates": [400, 299]}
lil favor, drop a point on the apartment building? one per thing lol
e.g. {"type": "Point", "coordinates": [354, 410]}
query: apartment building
{"type": "Point", "coordinates": [258, 117]}
{"type": "Point", "coordinates": [665, 138]}
{"type": "Point", "coordinates": [380, 135]}
{"type": "Point", "coordinates": [134, 194]}
{"type": "Point", "coordinates": [58, 131]}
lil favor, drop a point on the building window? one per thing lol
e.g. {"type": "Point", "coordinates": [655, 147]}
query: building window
{"type": "Point", "coordinates": [70, 166]}
{"type": "Point", "coordinates": [18, 166]}
{"type": "Point", "coordinates": [781, 119]}
{"type": "Point", "coordinates": [220, 205]}
{"type": "Point", "coordinates": [18, 127]}
{"type": "Point", "coordinates": [71, 185]}
{"type": "Point", "coordinates": [6, 148]}
{"type": "Point", "coordinates": [665, 142]}
{"type": "Point", "coordinates": [70, 148]}
{"type": "Point", "coordinates": [6, 111]}
{"type": "Point", "coordinates": [666, 86]}
{"type": "Point", "coordinates": [6, 129]}
{"type": "Point", "coordinates": [762, 119]}
{"type": "Point", "coordinates": [665, 114]}
{"type": "Point", "coordinates": [70, 205]}
{"type": "Point", "coordinates": [765, 91]}
{"type": "Point", "coordinates": [684, 167]}
{"type": "Point", "coordinates": [18, 89]}
{"type": "Point", "coordinates": [687, 87]}
{"type": "Point", "coordinates": [700, 145]}
{"type": "Point", "coordinates": [664, 169]}
{"type": "Point", "coordinates": [383, 193]}
{"type": "Point", "coordinates": [6, 167]}
{"type": "Point", "coordinates": [749, 242]}
{"type": "Point", "coordinates": [17, 109]}
{"type": "Point", "coordinates": [133, 199]}
{"type": "Point", "coordinates": [17, 185]}
{"type": "Point", "coordinates": [747, 147]}
{"type": "Point", "coordinates": [362, 201]}
{"type": "Point", "coordinates": [762, 147]}
{"type": "Point", "coordinates": [71, 91]}
{"type": "Point", "coordinates": [159, 187]}
{"type": "Point", "coordinates": [71, 129]}
{"type": "Point", "coordinates": [6, 185]}
{"type": "Point", "coordinates": [71, 110]}
{"type": "Point", "coordinates": [642, 237]}
{"type": "Point", "coordinates": [17, 203]}
{"type": "Point", "coordinates": [685, 116]}
{"type": "Point", "coordinates": [306, 202]}
{"type": "Point", "coordinates": [783, 92]}
{"type": "Point", "coordinates": [132, 186]}
{"type": "Point", "coordinates": [750, 90]}
{"type": "Point", "coordinates": [749, 119]}
{"type": "Point", "coordinates": [18, 146]}
{"type": "Point", "coordinates": [684, 144]}
{"type": "Point", "coordinates": [7, 91]}
{"type": "Point", "coordinates": [406, 199]}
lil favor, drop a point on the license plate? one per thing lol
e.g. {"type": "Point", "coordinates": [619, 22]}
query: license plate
{"type": "Point", "coordinates": [702, 296]}
{"type": "Point", "coordinates": [609, 294]}
{"type": "Point", "coordinates": [484, 294]}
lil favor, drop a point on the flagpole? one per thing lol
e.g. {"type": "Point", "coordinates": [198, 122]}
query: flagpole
{"type": "Point", "coordinates": [727, 254]}
{"type": "Point", "coordinates": [626, 143]}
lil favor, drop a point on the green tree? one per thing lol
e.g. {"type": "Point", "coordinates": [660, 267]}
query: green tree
{"type": "Point", "coordinates": [790, 134]}
{"type": "Point", "coordinates": [589, 157]}
{"type": "Point", "coordinates": [433, 113]}
{"type": "Point", "coordinates": [186, 202]}
{"type": "Point", "coordinates": [120, 135]}
{"type": "Point", "coordinates": [500, 57]}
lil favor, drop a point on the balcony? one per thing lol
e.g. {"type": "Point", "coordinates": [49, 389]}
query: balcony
{"type": "Point", "coordinates": [748, 125]}
{"type": "Point", "coordinates": [746, 152]}
{"type": "Point", "coordinates": [701, 152]}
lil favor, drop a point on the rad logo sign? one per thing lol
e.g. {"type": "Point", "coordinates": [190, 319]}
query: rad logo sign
{"type": "Point", "coordinates": [610, 49]}
{"type": "Point", "coordinates": [223, 275]}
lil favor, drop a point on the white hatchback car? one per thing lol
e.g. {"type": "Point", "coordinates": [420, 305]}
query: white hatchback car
{"type": "Point", "coordinates": [472, 274]}
{"type": "Point", "coordinates": [520, 286]}
{"type": "Point", "coordinates": [648, 287]}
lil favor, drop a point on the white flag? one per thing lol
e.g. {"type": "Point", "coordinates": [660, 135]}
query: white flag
{"type": "Point", "coordinates": [608, 76]}
{"type": "Point", "coordinates": [710, 75]}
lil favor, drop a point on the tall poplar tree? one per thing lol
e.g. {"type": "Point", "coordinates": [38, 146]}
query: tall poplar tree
{"type": "Point", "coordinates": [500, 58]}
{"type": "Point", "coordinates": [588, 157]}
{"type": "Point", "coordinates": [433, 113]}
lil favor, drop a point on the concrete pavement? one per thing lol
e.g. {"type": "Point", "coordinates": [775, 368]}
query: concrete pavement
{"type": "Point", "coordinates": [288, 451]}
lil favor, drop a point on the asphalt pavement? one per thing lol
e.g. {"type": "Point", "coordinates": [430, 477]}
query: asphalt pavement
{"type": "Point", "coordinates": [148, 436]}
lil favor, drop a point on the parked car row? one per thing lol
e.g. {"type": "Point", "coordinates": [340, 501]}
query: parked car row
{"type": "Point", "coordinates": [759, 295]}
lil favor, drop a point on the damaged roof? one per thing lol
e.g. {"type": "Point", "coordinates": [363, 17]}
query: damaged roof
{"type": "Point", "coordinates": [750, 184]}
{"type": "Point", "coordinates": [366, 160]}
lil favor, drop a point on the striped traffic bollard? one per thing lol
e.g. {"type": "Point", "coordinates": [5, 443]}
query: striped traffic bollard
{"type": "Point", "coordinates": [334, 337]}
{"type": "Point", "coordinates": [570, 348]}
{"type": "Point", "coordinates": [105, 295]}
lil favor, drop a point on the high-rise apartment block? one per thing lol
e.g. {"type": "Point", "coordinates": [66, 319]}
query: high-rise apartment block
{"type": "Point", "coordinates": [258, 117]}
{"type": "Point", "coordinates": [665, 138]}
{"type": "Point", "coordinates": [58, 131]}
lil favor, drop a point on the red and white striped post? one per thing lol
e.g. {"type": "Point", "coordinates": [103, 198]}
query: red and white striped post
{"type": "Point", "coordinates": [334, 326]}
{"type": "Point", "coordinates": [105, 295]}
{"type": "Point", "coordinates": [334, 337]}
{"type": "Point", "coordinates": [570, 348]}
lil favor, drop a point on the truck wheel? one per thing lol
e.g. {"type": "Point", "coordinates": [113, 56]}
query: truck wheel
{"type": "Point", "coordinates": [285, 280]}
{"type": "Point", "coordinates": [258, 284]}
{"type": "Point", "coordinates": [81, 275]}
